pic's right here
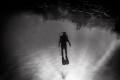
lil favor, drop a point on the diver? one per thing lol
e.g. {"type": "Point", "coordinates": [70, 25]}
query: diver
{"type": "Point", "coordinates": [63, 41]}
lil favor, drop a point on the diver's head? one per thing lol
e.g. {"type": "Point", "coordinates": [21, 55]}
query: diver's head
{"type": "Point", "coordinates": [64, 33]}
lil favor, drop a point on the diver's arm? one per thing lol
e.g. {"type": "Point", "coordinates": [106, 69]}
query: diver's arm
{"type": "Point", "coordinates": [68, 41]}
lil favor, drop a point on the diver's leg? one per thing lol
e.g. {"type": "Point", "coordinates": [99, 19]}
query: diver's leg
{"type": "Point", "coordinates": [66, 52]}
{"type": "Point", "coordinates": [63, 61]}
{"type": "Point", "coordinates": [62, 52]}
{"type": "Point", "coordinates": [67, 61]}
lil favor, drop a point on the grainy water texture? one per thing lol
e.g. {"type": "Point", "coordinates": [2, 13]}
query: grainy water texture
{"type": "Point", "coordinates": [35, 48]}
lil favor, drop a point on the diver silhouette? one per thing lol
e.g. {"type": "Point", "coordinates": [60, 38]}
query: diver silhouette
{"type": "Point", "coordinates": [63, 41]}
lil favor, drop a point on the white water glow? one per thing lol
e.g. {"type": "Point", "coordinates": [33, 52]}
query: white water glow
{"type": "Point", "coordinates": [44, 67]}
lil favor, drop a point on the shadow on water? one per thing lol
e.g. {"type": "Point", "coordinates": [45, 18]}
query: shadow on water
{"type": "Point", "coordinates": [63, 75]}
